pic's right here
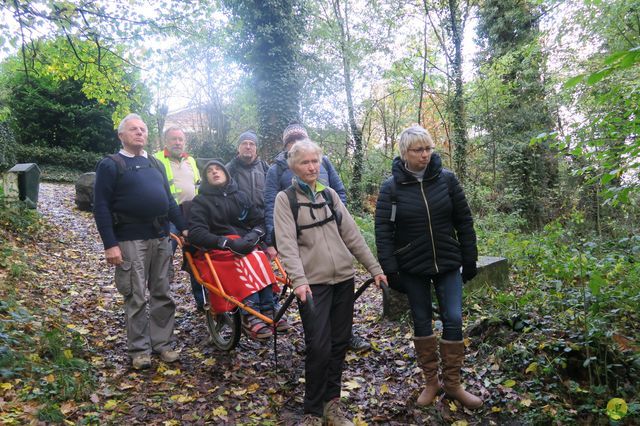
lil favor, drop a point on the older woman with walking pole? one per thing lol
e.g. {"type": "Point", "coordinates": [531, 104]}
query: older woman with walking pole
{"type": "Point", "coordinates": [317, 240]}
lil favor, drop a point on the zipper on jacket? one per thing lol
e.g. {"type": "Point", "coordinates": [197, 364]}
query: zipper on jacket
{"type": "Point", "coordinates": [433, 244]}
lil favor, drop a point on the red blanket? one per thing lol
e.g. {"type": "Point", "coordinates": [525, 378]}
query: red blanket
{"type": "Point", "coordinates": [240, 276]}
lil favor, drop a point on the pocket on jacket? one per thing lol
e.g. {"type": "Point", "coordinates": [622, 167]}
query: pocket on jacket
{"type": "Point", "coordinates": [410, 252]}
{"type": "Point", "coordinates": [124, 278]}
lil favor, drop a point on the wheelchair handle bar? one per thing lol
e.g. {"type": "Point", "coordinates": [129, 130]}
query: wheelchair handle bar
{"type": "Point", "coordinates": [384, 287]}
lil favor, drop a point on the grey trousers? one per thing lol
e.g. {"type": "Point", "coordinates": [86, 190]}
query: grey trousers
{"type": "Point", "coordinates": [149, 321]}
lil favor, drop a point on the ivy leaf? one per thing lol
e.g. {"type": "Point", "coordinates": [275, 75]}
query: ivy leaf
{"type": "Point", "coordinates": [595, 283]}
{"type": "Point", "coordinates": [616, 408]}
{"type": "Point", "coordinates": [111, 404]}
{"type": "Point", "coordinates": [509, 383]}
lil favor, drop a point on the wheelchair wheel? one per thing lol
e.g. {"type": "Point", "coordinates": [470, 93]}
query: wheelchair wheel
{"type": "Point", "coordinates": [224, 329]}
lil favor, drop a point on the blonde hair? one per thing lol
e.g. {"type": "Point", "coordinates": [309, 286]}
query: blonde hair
{"type": "Point", "coordinates": [412, 136]}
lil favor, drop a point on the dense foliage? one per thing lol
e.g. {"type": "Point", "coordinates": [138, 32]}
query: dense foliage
{"type": "Point", "coordinates": [512, 107]}
{"type": "Point", "coordinates": [543, 125]}
{"type": "Point", "coordinates": [46, 113]}
{"type": "Point", "coordinates": [267, 41]}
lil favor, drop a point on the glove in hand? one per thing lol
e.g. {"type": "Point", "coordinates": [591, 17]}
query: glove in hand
{"type": "Point", "coordinates": [252, 238]}
{"type": "Point", "coordinates": [394, 282]}
{"type": "Point", "coordinates": [240, 246]}
{"type": "Point", "coordinates": [469, 271]}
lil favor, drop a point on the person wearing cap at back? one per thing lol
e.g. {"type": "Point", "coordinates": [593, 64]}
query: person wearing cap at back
{"type": "Point", "coordinates": [279, 178]}
{"type": "Point", "coordinates": [248, 170]}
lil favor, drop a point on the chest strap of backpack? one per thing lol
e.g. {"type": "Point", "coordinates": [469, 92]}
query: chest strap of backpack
{"type": "Point", "coordinates": [295, 207]}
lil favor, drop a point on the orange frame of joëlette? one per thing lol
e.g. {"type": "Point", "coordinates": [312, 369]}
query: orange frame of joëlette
{"type": "Point", "coordinates": [216, 287]}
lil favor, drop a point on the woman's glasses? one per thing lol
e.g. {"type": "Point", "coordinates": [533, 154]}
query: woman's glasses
{"type": "Point", "coordinates": [421, 150]}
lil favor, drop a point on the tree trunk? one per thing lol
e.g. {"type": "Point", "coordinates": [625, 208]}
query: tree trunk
{"type": "Point", "coordinates": [358, 155]}
{"type": "Point", "coordinates": [460, 140]}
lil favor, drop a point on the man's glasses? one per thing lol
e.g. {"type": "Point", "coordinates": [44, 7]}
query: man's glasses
{"type": "Point", "coordinates": [421, 150]}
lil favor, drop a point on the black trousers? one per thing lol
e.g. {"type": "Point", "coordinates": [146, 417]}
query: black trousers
{"type": "Point", "coordinates": [326, 335]}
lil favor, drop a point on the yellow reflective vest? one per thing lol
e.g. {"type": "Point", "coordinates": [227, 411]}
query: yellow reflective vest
{"type": "Point", "coordinates": [160, 155]}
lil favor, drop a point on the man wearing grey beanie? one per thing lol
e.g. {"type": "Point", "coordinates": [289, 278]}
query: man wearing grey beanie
{"type": "Point", "coordinates": [248, 170]}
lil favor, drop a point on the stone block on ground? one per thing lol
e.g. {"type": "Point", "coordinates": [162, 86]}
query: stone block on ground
{"type": "Point", "coordinates": [492, 272]}
{"type": "Point", "coordinates": [84, 191]}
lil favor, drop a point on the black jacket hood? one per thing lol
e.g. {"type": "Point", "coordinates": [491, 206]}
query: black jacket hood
{"type": "Point", "coordinates": [207, 188]}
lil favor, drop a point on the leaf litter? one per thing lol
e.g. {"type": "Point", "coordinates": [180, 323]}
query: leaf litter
{"type": "Point", "coordinates": [209, 386]}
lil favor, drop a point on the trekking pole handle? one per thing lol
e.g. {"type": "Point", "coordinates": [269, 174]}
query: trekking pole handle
{"type": "Point", "coordinates": [310, 303]}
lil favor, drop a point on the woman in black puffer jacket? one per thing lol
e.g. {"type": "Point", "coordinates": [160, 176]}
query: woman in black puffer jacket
{"type": "Point", "coordinates": [424, 234]}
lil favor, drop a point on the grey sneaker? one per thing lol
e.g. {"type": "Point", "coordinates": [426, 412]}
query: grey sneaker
{"type": "Point", "coordinates": [169, 356]}
{"type": "Point", "coordinates": [358, 344]}
{"type": "Point", "coordinates": [141, 362]}
{"type": "Point", "coordinates": [335, 414]}
{"type": "Point", "coordinates": [310, 420]}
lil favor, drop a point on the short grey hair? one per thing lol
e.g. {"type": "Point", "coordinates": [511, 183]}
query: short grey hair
{"type": "Point", "coordinates": [172, 129]}
{"type": "Point", "coordinates": [412, 136]}
{"type": "Point", "coordinates": [303, 146]}
{"type": "Point", "coordinates": [131, 116]}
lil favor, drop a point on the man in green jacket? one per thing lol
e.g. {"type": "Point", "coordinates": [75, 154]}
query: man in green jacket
{"type": "Point", "coordinates": [184, 179]}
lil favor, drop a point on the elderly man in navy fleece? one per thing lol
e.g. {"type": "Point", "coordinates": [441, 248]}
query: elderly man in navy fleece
{"type": "Point", "coordinates": [133, 208]}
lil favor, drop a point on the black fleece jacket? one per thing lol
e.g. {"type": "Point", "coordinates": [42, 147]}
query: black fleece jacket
{"type": "Point", "coordinates": [219, 211]}
{"type": "Point", "coordinates": [433, 228]}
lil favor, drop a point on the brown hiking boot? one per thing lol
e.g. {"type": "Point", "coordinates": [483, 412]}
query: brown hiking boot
{"type": "Point", "coordinates": [169, 356]}
{"type": "Point", "coordinates": [310, 420]}
{"type": "Point", "coordinates": [141, 362]}
{"type": "Point", "coordinates": [452, 356]}
{"type": "Point", "coordinates": [335, 414]}
{"type": "Point", "coordinates": [427, 354]}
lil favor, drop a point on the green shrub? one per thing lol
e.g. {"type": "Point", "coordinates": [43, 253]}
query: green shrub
{"type": "Point", "coordinates": [576, 295]}
{"type": "Point", "coordinates": [53, 173]}
{"type": "Point", "coordinates": [367, 229]}
{"type": "Point", "coordinates": [47, 358]}
{"type": "Point", "coordinates": [83, 161]}
{"type": "Point", "coordinates": [17, 216]}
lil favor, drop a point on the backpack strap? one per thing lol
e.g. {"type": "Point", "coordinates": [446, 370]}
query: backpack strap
{"type": "Point", "coordinates": [122, 166]}
{"type": "Point", "coordinates": [293, 203]}
{"type": "Point", "coordinates": [329, 200]}
{"type": "Point", "coordinates": [295, 208]}
{"type": "Point", "coordinates": [394, 199]}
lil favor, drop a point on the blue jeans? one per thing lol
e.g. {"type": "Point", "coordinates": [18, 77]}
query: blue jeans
{"type": "Point", "coordinates": [196, 289]}
{"type": "Point", "coordinates": [448, 287]}
{"type": "Point", "coordinates": [260, 301]}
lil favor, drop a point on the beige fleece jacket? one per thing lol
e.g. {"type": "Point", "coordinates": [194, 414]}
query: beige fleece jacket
{"type": "Point", "coordinates": [322, 254]}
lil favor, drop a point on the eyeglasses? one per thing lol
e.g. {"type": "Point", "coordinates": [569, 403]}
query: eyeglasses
{"type": "Point", "coordinates": [421, 150]}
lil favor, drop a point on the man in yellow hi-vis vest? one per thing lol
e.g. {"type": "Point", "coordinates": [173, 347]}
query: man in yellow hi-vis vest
{"type": "Point", "coordinates": [184, 179]}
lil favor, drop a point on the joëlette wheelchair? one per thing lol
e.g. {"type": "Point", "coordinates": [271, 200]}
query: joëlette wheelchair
{"type": "Point", "coordinates": [223, 310]}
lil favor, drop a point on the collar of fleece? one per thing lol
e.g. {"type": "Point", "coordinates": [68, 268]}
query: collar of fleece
{"type": "Point", "coordinates": [306, 189]}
